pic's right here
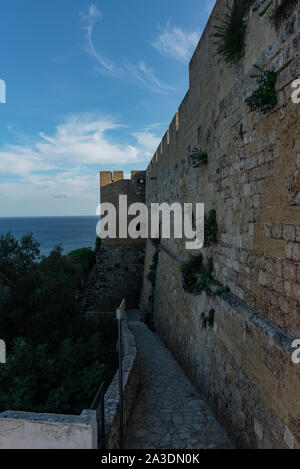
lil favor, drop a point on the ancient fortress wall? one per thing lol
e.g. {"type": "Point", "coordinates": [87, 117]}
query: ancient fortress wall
{"type": "Point", "coordinates": [118, 271]}
{"type": "Point", "coordinates": [243, 364]}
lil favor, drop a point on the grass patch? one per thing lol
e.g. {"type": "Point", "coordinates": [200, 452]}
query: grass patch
{"type": "Point", "coordinates": [230, 32]}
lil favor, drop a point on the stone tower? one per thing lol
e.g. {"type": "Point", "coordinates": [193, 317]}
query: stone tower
{"type": "Point", "coordinates": [119, 268]}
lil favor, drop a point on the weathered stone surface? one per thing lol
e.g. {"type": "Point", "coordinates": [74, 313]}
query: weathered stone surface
{"type": "Point", "coordinates": [243, 365]}
{"type": "Point", "coordinates": [119, 265]}
{"type": "Point", "coordinates": [131, 380]}
{"type": "Point", "coordinates": [117, 274]}
{"type": "Point", "coordinates": [168, 412]}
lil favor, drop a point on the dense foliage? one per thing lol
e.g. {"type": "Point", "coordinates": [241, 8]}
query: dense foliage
{"type": "Point", "coordinates": [197, 276]}
{"type": "Point", "coordinates": [56, 358]}
{"type": "Point", "coordinates": [264, 98]}
{"type": "Point", "coordinates": [199, 158]}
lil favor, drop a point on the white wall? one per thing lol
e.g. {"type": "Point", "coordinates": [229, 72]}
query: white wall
{"type": "Point", "coordinates": [25, 430]}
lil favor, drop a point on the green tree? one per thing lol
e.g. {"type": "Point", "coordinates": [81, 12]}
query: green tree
{"type": "Point", "coordinates": [56, 358]}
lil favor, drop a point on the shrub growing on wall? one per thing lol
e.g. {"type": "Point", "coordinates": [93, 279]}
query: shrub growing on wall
{"type": "Point", "coordinates": [282, 12]}
{"type": "Point", "coordinates": [210, 228]}
{"type": "Point", "coordinates": [264, 97]}
{"type": "Point", "coordinates": [197, 276]}
{"type": "Point", "coordinates": [199, 158]}
{"type": "Point", "coordinates": [230, 32]}
{"type": "Point", "coordinates": [208, 320]}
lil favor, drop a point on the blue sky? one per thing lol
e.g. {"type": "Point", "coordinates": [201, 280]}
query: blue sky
{"type": "Point", "coordinates": [90, 86]}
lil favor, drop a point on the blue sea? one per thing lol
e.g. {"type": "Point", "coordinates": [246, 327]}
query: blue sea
{"type": "Point", "coordinates": [69, 232]}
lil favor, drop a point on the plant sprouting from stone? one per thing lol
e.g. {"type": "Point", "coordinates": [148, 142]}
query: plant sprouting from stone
{"type": "Point", "coordinates": [210, 228]}
{"type": "Point", "coordinates": [230, 32]}
{"type": "Point", "coordinates": [196, 275]}
{"type": "Point", "coordinates": [264, 97]}
{"type": "Point", "coordinates": [208, 319]}
{"type": "Point", "coordinates": [199, 158]}
{"type": "Point", "coordinates": [221, 290]}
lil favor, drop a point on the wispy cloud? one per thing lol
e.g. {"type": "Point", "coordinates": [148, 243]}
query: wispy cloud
{"type": "Point", "coordinates": [80, 140]}
{"type": "Point", "coordinates": [141, 72]}
{"type": "Point", "coordinates": [172, 41]}
{"type": "Point", "coordinates": [91, 17]}
{"type": "Point", "coordinates": [146, 75]}
{"type": "Point", "coordinates": [89, 21]}
{"type": "Point", "coordinates": [60, 166]}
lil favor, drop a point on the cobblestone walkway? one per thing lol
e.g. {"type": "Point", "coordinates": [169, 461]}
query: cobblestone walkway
{"type": "Point", "coordinates": [169, 412]}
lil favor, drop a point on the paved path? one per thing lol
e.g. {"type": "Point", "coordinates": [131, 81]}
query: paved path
{"type": "Point", "coordinates": [169, 412]}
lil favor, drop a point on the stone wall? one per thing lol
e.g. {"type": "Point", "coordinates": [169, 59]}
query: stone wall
{"type": "Point", "coordinates": [131, 379]}
{"type": "Point", "coordinates": [117, 274]}
{"type": "Point", "coordinates": [243, 365]}
{"type": "Point", "coordinates": [112, 185]}
{"type": "Point", "coordinates": [27, 430]}
{"type": "Point", "coordinates": [119, 265]}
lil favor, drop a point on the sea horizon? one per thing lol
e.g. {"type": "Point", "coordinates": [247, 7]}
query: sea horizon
{"type": "Point", "coordinates": [70, 232]}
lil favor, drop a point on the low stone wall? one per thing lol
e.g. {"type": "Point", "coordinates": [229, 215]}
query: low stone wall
{"type": "Point", "coordinates": [28, 430]}
{"type": "Point", "coordinates": [131, 379]}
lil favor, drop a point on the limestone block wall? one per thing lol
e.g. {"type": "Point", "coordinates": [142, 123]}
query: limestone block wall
{"type": "Point", "coordinates": [112, 185]}
{"type": "Point", "coordinates": [117, 274]}
{"type": "Point", "coordinates": [243, 365]}
{"type": "Point", "coordinates": [119, 265]}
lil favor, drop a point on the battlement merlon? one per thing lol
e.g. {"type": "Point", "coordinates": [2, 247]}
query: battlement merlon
{"type": "Point", "coordinates": [110, 177]}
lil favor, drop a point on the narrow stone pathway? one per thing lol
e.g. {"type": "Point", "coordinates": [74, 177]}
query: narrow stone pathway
{"type": "Point", "coordinates": [169, 412]}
